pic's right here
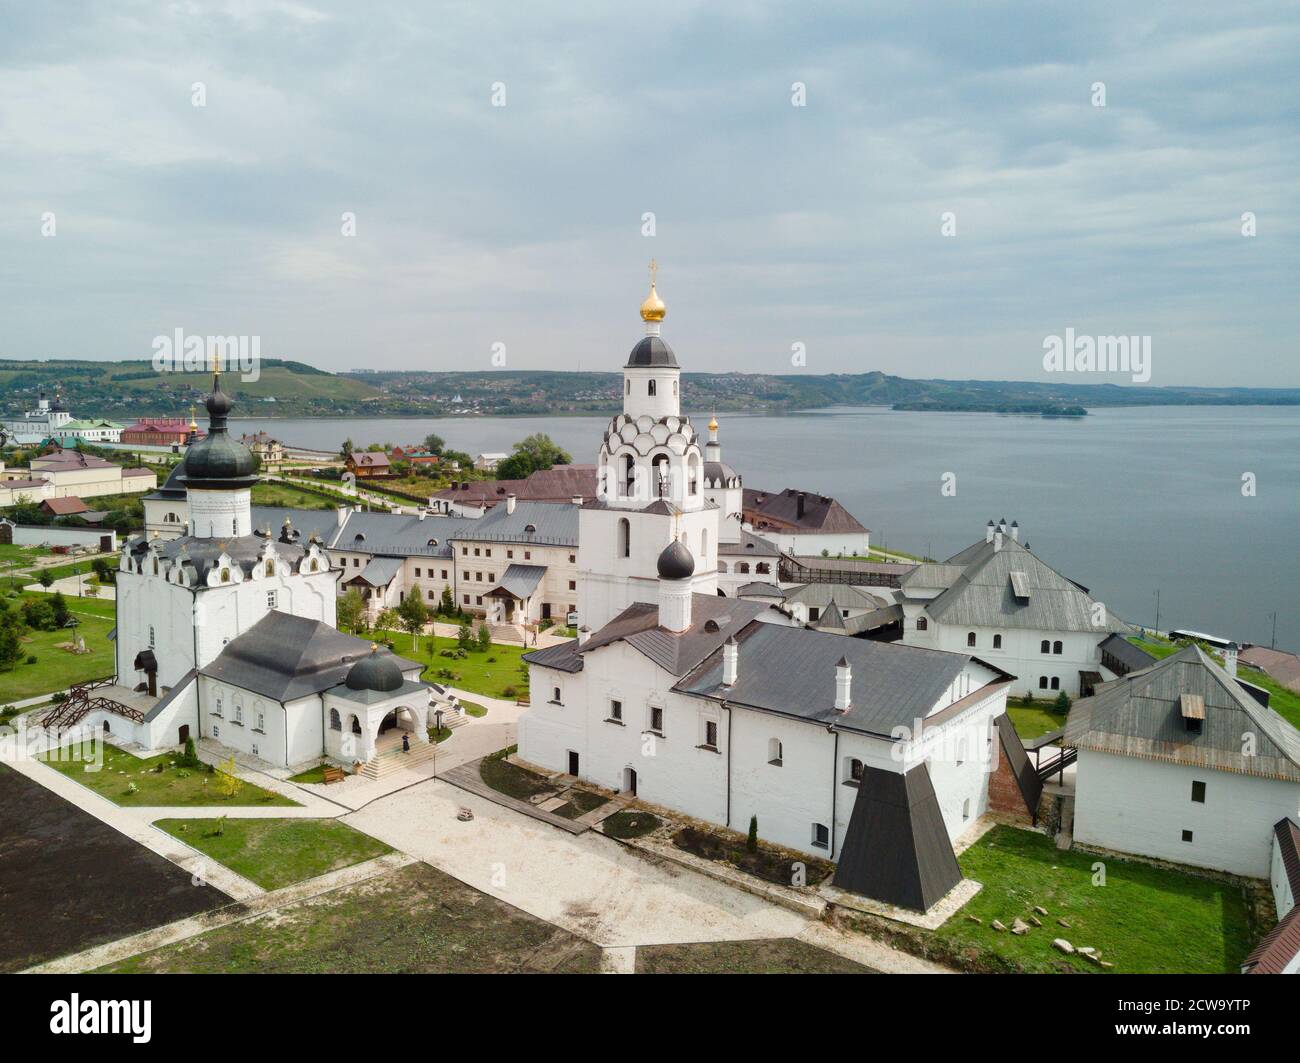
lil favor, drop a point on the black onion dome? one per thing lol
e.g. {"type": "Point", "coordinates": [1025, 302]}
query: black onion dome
{"type": "Point", "coordinates": [375, 671]}
{"type": "Point", "coordinates": [216, 460]}
{"type": "Point", "coordinates": [651, 351]}
{"type": "Point", "coordinates": [676, 562]}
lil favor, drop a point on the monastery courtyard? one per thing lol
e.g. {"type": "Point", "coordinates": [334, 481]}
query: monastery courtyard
{"type": "Point", "coordinates": [499, 892]}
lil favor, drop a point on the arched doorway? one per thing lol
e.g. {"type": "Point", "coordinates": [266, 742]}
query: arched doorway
{"type": "Point", "coordinates": [629, 781]}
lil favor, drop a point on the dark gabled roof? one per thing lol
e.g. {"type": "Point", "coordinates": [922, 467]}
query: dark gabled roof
{"type": "Point", "coordinates": [520, 581]}
{"type": "Point", "coordinates": [896, 849]}
{"type": "Point", "coordinates": [1031, 786]}
{"type": "Point", "coordinates": [651, 351]}
{"type": "Point", "coordinates": [1141, 715]}
{"type": "Point", "coordinates": [65, 506]}
{"type": "Point", "coordinates": [713, 620]}
{"type": "Point", "coordinates": [379, 571]}
{"type": "Point", "coordinates": [285, 657]}
{"type": "Point", "coordinates": [985, 596]}
{"type": "Point", "coordinates": [563, 657]}
{"type": "Point", "coordinates": [1131, 656]}
{"type": "Point", "coordinates": [791, 671]}
{"type": "Point", "coordinates": [821, 513]}
{"type": "Point", "coordinates": [761, 590]}
{"type": "Point", "coordinates": [1279, 947]}
{"type": "Point", "coordinates": [1288, 844]}
{"type": "Point", "coordinates": [373, 458]}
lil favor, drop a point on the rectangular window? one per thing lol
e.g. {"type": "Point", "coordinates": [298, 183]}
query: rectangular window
{"type": "Point", "coordinates": [465, 575]}
{"type": "Point", "coordinates": [465, 598]}
{"type": "Point", "coordinates": [417, 573]}
{"type": "Point", "coordinates": [555, 696]}
{"type": "Point", "coordinates": [510, 553]}
{"type": "Point", "coordinates": [464, 551]}
{"type": "Point", "coordinates": [476, 552]}
{"type": "Point", "coordinates": [573, 558]}
{"type": "Point", "coordinates": [478, 600]}
{"type": "Point", "coordinates": [657, 719]}
{"type": "Point", "coordinates": [711, 734]}
{"type": "Point", "coordinates": [821, 837]}
{"type": "Point", "coordinates": [487, 552]}
{"type": "Point", "coordinates": [444, 573]}
{"type": "Point", "coordinates": [814, 613]}
{"type": "Point", "coordinates": [270, 599]}
{"type": "Point", "coordinates": [528, 555]}
{"type": "Point", "coordinates": [261, 723]}
{"type": "Point", "coordinates": [356, 562]}
{"type": "Point", "coordinates": [1187, 836]}
{"type": "Point", "coordinates": [573, 585]}
{"type": "Point", "coordinates": [616, 710]}
{"type": "Point", "coordinates": [1198, 792]}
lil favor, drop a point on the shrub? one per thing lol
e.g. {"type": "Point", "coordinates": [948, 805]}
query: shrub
{"type": "Point", "coordinates": [509, 692]}
{"type": "Point", "coordinates": [751, 841]}
{"type": "Point", "coordinates": [1062, 702]}
{"type": "Point", "coordinates": [31, 658]}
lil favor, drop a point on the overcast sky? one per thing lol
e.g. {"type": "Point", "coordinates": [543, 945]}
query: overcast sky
{"type": "Point", "coordinates": [775, 224]}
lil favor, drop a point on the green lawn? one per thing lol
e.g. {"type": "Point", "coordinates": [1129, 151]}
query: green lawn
{"type": "Point", "coordinates": [1154, 646]}
{"type": "Point", "coordinates": [506, 677]}
{"type": "Point", "coordinates": [14, 552]}
{"type": "Point", "coordinates": [157, 780]}
{"type": "Point", "coordinates": [512, 780]}
{"type": "Point", "coordinates": [1144, 919]}
{"type": "Point", "coordinates": [277, 852]}
{"type": "Point", "coordinates": [311, 775]}
{"type": "Point", "coordinates": [58, 669]}
{"type": "Point", "coordinates": [473, 708]}
{"type": "Point", "coordinates": [630, 823]}
{"type": "Point", "coordinates": [1033, 721]}
{"type": "Point", "coordinates": [280, 494]}
{"type": "Point", "coordinates": [579, 803]}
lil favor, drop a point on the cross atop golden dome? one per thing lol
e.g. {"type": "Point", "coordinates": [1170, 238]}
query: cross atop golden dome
{"type": "Point", "coordinates": [653, 308]}
{"type": "Point", "coordinates": [713, 423]}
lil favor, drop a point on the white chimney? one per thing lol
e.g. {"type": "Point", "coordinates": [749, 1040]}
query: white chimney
{"type": "Point", "coordinates": [576, 500]}
{"type": "Point", "coordinates": [988, 533]}
{"type": "Point", "coordinates": [510, 503]}
{"type": "Point", "coordinates": [1230, 659]}
{"type": "Point", "coordinates": [730, 662]}
{"type": "Point", "coordinates": [422, 513]}
{"type": "Point", "coordinates": [1015, 531]}
{"type": "Point", "coordinates": [997, 540]}
{"type": "Point", "coordinates": [843, 685]}
{"type": "Point", "coordinates": [584, 633]}
{"type": "Point", "coordinates": [340, 515]}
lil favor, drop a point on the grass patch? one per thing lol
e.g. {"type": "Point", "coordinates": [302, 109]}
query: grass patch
{"type": "Point", "coordinates": [267, 493]}
{"type": "Point", "coordinates": [415, 920]}
{"type": "Point", "coordinates": [439, 734]}
{"type": "Point", "coordinates": [579, 803]}
{"type": "Point", "coordinates": [58, 669]}
{"type": "Point", "coordinates": [311, 775]}
{"type": "Point", "coordinates": [1034, 720]}
{"type": "Point", "coordinates": [778, 956]}
{"type": "Point", "coordinates": [506, 677]}
{"type": "Point", "coordinates": [157, 780]}
{"type": "Point", "coordinates": [1286, 703]}
{"type": "Point", "coordinates": [277, 852]}
{"type": "Point", "coordinates": [1145, 919]}
{"type": "Point", "coordinates": [630, 823]}
{"type": "Point", "coordinates": [512, 780]}
{"type": "Point", "coordinates": [473, 708]}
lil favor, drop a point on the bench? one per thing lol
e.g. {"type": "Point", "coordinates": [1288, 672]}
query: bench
{"type": "Point", "coordinates": [333, 773]}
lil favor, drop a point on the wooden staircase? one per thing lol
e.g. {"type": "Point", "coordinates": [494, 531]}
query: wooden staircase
{"type": "Point", "coordinates": [82, 700]}
{"type": "Point", "coordinates": [389, 761]}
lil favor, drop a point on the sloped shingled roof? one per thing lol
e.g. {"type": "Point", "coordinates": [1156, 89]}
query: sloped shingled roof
{"type": "Point", "coordinates": [1140, 716]}
{"type": "Point", "coordinates": [821, 513]}
{"type": "Point", "coordinates": [984, 596]}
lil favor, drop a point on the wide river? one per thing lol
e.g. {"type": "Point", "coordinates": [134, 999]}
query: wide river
{"type": "Point", "coordinates": [1127, 502]}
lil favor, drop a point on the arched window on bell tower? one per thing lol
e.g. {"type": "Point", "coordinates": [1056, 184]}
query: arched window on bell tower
{"type": "Point", "coordinates": [650, 388]}
{"type": "Point", "coordinates": [624, 537]}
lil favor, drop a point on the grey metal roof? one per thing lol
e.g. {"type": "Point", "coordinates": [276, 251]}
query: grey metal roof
{"type": "Point", "coordinates": [791, 671]}
{"type": "Point", "coordinates": [713, 620]}
{"type": "Point", "coordinates": [201, 555]}
{"type": "Point", "coordinates": [983, 595]}
{"type": "Point", "coordinates": [520, 581]}
{"type": "Point", "coordinates": [306, 522]}
{"type": "Point", "coordinates": [844, 595]}
{"type": "Point", "coordinates": [285, 657]}
{"type": "Point", "coordinates": [399, 534]}
{"type": "Point", "coordinates": [552, 524]}
{"type": "Point", "coordinates": [563, 656]}
{"type": "Point", "coordinates": [931, 576]}
{"type": "Point", "coordinates": [761, 590]}
{"type": "Point", "coordinates": [1140, 716]}
{"type": "Point", "coordinates": [409, 689]}
{"type": "Point", "coordinates": [379, 571]}
{"type": "Point", "coordinates": [1125, 652]}
{"type": "Point", "coordinates": [750, 545]}
{"type": "Point", "coordinates": [896, 848]}
{"type": "Point", "coordinates": [651, 351]}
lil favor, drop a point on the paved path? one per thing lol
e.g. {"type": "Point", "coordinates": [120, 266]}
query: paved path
{"type": "Point", "coordinates": [587, 884]}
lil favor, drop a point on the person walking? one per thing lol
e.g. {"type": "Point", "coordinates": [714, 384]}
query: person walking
{"type": "Point", "coordinates": [406, 743]}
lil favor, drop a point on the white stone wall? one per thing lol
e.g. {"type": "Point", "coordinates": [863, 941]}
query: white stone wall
{"type": "Point", "coordinates": [811, 544]}
{"type": "Point", "coordinates": [231, 715]}
{"type": "Point", "coordinates": [1143, 806]}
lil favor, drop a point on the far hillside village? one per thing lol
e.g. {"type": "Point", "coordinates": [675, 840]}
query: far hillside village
{"type": "Point", "coordinates": [698, 710]}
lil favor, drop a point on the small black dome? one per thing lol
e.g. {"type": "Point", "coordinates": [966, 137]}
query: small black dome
{"type": "Point", "coordinates": [676, 562]}
{"type": "Point", "coordinates": [375, 671]}
{"type": "Point", "coordinates": [651, 351]}
{"type": "Point", "coordinates": [216, 460]}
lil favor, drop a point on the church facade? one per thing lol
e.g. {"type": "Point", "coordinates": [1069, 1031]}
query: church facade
{"type": "Point", "coordinates": [727, 709]}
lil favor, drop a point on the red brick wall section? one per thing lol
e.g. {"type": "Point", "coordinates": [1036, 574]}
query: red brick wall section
{"type": "Point", "coordinates": [1004, 792]}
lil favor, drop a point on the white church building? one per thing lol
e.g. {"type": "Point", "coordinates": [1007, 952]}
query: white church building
{"type": "Point", "coordinates": [870, 754]}
{"type": "Point", "coordinates": [228, 632]}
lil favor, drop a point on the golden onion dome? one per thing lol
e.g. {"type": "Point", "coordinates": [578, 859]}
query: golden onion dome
{"type": "Point", "coordinates": [653, 308]}
{"type": "Point", "coordinates": [713, 424]}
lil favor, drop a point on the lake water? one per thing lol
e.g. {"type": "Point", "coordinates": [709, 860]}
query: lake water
{"type": "Point", "coordinates": [1124, 501]}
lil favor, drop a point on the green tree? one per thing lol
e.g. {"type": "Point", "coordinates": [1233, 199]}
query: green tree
{"type": "Point", "coordinates": [537, 451]}
{"type": "Point", "coordinates": [414, 616]}
{"type": "Point", "coordinates": [464, 636]}
{"type": "Point", "coordinates": [484, 636]}
{"type": "Point", "coordinates": [388, 619]}
{"type": "Point", "coordinates": [447, 603]}
{"type": "Point", "coordinates": [1062, 702]}
{"type": "Point", "coordinates": [60, 608]}
{"type": "Point", "coordinates": [433, 443]}
{"type": "Point", "coordinates": [347, 448]}
{"type": "Point", "coordinates": [44, 579]}
{"type": "Point", "coordinates": [350, 608]}
{"type": "Point", "coordinates": [751, 841]}
{"type": "Point", "coordinates": [11, 647]}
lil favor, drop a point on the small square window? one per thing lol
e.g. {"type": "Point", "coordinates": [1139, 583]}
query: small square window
{"type": "Point", "coordinates": [821, 836]}
{"type": "Point", "coordinates": [1198, 792]}
{"type": "Point", "coordinates": [657, 719]}
{"type": "Point", "coordinates": [1187, 836]}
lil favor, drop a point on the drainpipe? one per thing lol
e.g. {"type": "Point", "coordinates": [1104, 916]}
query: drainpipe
{"type": "Point", "coordinates": [834, 769]}
{"type": "Point", "coordinates": [194, 623]}
{"type": "Point", "coordinates": [728, 708]}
